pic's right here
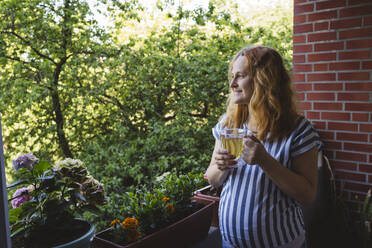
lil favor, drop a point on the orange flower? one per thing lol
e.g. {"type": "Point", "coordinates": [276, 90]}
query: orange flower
{"type": "Point", "coordinates": [169, 207]}
{"type": "Point", "coordinates": [133, 235]}
{"type": "Point", "coordinates": [165, 199]}
{"type": "Point", "coordinates": [130, 223]}
{"type": "Point", "coordinates": [114, 222]}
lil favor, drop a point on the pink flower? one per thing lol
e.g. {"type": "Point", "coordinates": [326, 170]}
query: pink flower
{"type": "Point", "coordinates": [22, 197]}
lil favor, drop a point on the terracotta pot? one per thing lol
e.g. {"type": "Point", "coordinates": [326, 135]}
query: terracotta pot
{"type": "Point", "coordinates": [202, 196]}
{"type": "Point", "coordinates": [183, 233]}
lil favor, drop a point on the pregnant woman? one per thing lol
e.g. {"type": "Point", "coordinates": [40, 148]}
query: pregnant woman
{"type": "Point", "coordinates": [276, 172]}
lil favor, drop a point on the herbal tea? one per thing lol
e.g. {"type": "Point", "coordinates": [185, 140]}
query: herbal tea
{"type": "Point", "coordinates": [234, 145]}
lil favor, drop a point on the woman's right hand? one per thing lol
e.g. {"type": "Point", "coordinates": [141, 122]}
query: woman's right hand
{"type": "Point", "coordinates": [224, 160]}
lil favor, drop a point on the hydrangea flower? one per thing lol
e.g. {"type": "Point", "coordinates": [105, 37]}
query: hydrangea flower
{"type": "Point", "coordinates": [25, 161]}
{"type": "Point", "coordinates": [21, 198]}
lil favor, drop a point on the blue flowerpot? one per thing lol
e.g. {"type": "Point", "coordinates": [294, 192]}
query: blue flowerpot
{"type": "Point", "coordinates": [82, 242]}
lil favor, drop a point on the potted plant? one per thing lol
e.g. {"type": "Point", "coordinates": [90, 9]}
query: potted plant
{"type": "Point", "coordinates": [161, 217]}
{"type": "Point", "coordinates": [47, 201]}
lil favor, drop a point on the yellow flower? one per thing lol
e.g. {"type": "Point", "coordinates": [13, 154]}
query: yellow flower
{"type": "Point", "coordinates": [114, 222]}
{"type": "Point", "coordinates": [133, 235]}
{"type": "Point", "coordinates": [169, 207]}
{"type": "Point", "coordinates": [130, 223]}
{"type": "Point", "coordinates": [165, 199]}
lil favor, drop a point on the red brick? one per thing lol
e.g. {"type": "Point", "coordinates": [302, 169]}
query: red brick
{"type": "Point", "coordinates": [352, 76]}
{"type": "Point", "coordinates": [358, 147]}
{"type": "Point", "coordinates": [330, 4]}
{"type": "Point", "coordinates": [329, 46]}
{"type": "Point", "coordinates": [342, 126]}
{"type": "Point", "coordinates": [334, 145]}
{"type": "Point", "coordinates": [330, 155]}
{"type": "Point", "coordinates": [357, 11]}
{"type": "Point", "coordinates": [299, 39]}
{"type": "Point", "coordinates": [366, 127]}
{"type": "Point", "coordinates": [299, 58]}
{"type": "Point", "coordinates": [348, 23]}
{"type": "Point", "coordinates": [300, 1]}
{"type": "Point", "coordinates": [355, 2]}
{"type": "Point", "coordinates": [370, 178]}
{"type": "Point", "coordinates": [319, 124]}
{"type": "Point", "coordinates": [321, 57]}
{"type": "Point", "coordinates": [303, 28]}
{"type": "Point", "coordinates": [358, 106]}
{"type": "Point", "coordinates": [326, 135]}
{"type": "Point", "coordinates": [357, 186]}
{"type": "Point", "coordinates": [303, 86]}
{"type": "Point", "coordinates": [319, 26]}
{"type": "Point", "coordinates": [350, 176]}
{"type": "Point", "coordinates": [299, 77]}
{"type": "Point", "coordinates": [355, 44]}
{"type": "Point", "coordinates": [299, 19]}
{"type": "Point", "coordinates": [320, 67]}
{"type": "Point", "coordinates": [367, 86]}
{"type": "Point", "coordinates": [322, 15]}
{"type": "Point", "coordinates": [365, 168]}
{"type": "Point", "coordinates": [360, 117]}
{"type": "Point", "coordinates": [365, 54]}
{"type": "Point", "coordinates": [327, 106]}
{"type": "Point", "coordinates": [351, 156]}
{"type": "Point", "coordinates": [321, 36]}
{"type": "Point", "coordinates": [302, 67]}
{"type": "Point", "coordinates": [367, 65]}
{"type": "Point", "coordinates": [355, 33]}
{"type": "Point", "coordinates": [305, 106]}
{"type": "Point", "coordinates": [328, 86]}
{"type": "Point", "coordinates": [303, 8]}
{"type": "Point", "coordinates": [312, 115]}
{"type": "Point", "coordinates": [321, 96]}
{"type": "Point", "coordinates": [311, 77]}
{"type": "Point", "coordinates": [370, 158]}
{"type": "Point", "coordinates": [300, 96]}
{"type": "Point", "coordinates": [346, 165]}
{"type": "Point", "coordinates": [367, 21]}
{"type": "Point", "coordinates": [337, 116]}
{"type": "Point", "coordinates": [353, 97]}
{"type": "Point", "coordinates": [352, 137]}
{"type": "Point", "coordinates": [340, 66]}
{"type": "Point", "coordinates": [302, 48]}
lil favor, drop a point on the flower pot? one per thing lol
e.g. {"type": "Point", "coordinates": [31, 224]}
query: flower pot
{"type": "Point", "coordinates": [206, 194]}
{"type": "Point", "coordinates": [82, 241]}
{"type": "Point", "coordinates": [183, 233]}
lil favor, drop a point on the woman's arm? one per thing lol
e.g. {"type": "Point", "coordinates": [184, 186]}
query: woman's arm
{"type": "Point", "coordinates": [300, 184]}
{"type": "Point", "coordinates": [218, 168]}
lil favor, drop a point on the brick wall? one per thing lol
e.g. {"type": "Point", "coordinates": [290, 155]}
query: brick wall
{"type": "Point", "coordinates": [332, 67]}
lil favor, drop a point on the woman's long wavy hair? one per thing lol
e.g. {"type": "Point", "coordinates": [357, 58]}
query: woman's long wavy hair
{"type": "Point", "coordinates": [272, 108]}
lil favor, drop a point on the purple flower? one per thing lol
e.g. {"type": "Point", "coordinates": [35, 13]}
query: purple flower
{"type": "Point", "coordinates": [21, 199]}
{"type": "Point", "coordinates": [25, 161]}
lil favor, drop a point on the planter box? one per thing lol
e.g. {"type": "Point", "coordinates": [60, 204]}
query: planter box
{"type": "Point", "coordinates": [183, 233]}
{"type": "Point", "coordinates": [204, 195]}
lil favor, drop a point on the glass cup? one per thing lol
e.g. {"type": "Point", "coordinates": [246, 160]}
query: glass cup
{"type": "Point", "coordinates": [232, 139]}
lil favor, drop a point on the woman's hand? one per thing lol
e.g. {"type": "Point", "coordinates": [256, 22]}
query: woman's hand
{"type": "Point", "coordinates": [224, 160]}
{"type": "Point", "coordinates": [253, 151]}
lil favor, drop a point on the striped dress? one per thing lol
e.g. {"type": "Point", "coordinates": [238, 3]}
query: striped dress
{"type": "Point", "coordinates": [253, 211]}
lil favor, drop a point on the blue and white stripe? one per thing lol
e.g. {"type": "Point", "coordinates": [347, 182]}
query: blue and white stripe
{"type": "Point", "coordinates": [253, 211]}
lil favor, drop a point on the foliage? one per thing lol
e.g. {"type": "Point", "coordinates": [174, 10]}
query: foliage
{"type": "Point", "coordinates": [54, 196]}
{"type": "Point", "coordinates": [165, 203]}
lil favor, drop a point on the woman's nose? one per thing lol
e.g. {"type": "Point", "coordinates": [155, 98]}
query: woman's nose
{"type": "Point", "coordinates": [233, 83]}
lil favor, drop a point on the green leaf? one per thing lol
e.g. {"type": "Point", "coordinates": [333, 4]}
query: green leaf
{"type": "Point", "coordinates": [41, 167]}
{"type": "Point", "coordinates": [14, 214]}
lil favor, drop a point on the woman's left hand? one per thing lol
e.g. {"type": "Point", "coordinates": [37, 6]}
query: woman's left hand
{"type": "Point", "coordinates": [253, 151]}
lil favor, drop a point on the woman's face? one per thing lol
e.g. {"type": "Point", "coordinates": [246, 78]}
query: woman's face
{"type": "Point", "coordinates": [241, 83]}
